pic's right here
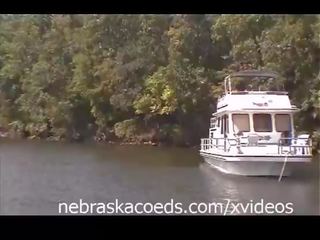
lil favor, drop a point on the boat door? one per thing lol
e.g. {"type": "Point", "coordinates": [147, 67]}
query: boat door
{"type": "Point", "coordinates": [225, 129]}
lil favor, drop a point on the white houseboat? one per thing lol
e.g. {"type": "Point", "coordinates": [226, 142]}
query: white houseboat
{"type": "Point", "coordinates": [252, 132]}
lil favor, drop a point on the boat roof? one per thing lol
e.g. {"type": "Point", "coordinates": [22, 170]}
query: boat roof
{"type": "Point", "coordinates": [256, 111]}
{"type": "Point", "coordinates": [259, 92]}
{"type": "Point", "coordinates": [255, 101]}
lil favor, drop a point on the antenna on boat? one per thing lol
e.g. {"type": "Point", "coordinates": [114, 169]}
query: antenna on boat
{"type": "Point", "coordinates": [227, 84]}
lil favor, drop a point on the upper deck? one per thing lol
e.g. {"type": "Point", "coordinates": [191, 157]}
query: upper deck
{"type": "Point", "coordinates": [256, 93]}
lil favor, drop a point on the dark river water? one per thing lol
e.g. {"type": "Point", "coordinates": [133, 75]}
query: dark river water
{"type": "Point", "coordinates": [36, 176]}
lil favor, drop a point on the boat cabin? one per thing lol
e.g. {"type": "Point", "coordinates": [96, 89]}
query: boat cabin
{"type": "Point", "coordinates": [253, 110]}
{"type": "Point", "coordinates": [252, 131]}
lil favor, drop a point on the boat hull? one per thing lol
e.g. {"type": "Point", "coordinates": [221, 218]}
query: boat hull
{"type": "Point", "coordinates": [255, 166]}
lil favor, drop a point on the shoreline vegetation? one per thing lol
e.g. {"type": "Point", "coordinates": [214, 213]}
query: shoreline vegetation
{"type": "Point", "coordinates": [5, 134]}
{"type": "Point", "coordinates": [145, 79]}
{"type": "Point", "coordinates": [79, 139]}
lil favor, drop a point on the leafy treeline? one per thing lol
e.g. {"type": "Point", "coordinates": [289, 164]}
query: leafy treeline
{"type": "Point", "coordinates": [145, 77]}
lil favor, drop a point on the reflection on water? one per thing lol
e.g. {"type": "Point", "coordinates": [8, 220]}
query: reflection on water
{"type": "Point", "coordinates": [35, 176]}
{"type": "Point", "coordinates": [301, 190]}
{"type": "Point", "coordinates": [227, 190]}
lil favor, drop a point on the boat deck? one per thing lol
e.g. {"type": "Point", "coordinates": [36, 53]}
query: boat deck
{"type": "Point", "coordinates": [275, 151]}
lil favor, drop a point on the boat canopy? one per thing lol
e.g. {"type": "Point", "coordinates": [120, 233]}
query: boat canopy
{"type": "Point", "coordinates": [251, 80]}
{"type": "Point", "coordinates": [254, 73]}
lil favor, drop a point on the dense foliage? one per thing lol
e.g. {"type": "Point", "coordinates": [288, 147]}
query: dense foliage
{"type": "Point", "coordinates": [145, 78]}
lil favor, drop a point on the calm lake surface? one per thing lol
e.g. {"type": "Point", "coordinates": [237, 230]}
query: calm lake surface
{"type": "Point", "coordinates": [36, 176]}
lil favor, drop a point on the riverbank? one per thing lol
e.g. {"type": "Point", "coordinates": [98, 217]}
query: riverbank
{"type": "Point", "coordinates": [117, 141]}
{"type": "Point", "coordinates": [78, 138]}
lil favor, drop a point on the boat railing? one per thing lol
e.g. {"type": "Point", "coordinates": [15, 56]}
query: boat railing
{"type": "Point", "coordinates": [249, 76]}
{"type": "Point", "coordinates": [220, 143]}
{"type": "Point", "coordinates": [294, 146]}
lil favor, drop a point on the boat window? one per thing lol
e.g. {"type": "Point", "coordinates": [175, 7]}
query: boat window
{"type": "Point", "coordinates": [218, 122]}
{"type": "Point", "coordinates": [227, 123]}
{"type": "Point", "coordinates": [283, 122]}
{"type": "Point", "coordinates": [262, 122]}
{"type": "Point", "coordinates": [240, 123]}
{"type": "Point", "coordinates": [222, 125]}
{"type": "Point", "coordinates": [213, 122]}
